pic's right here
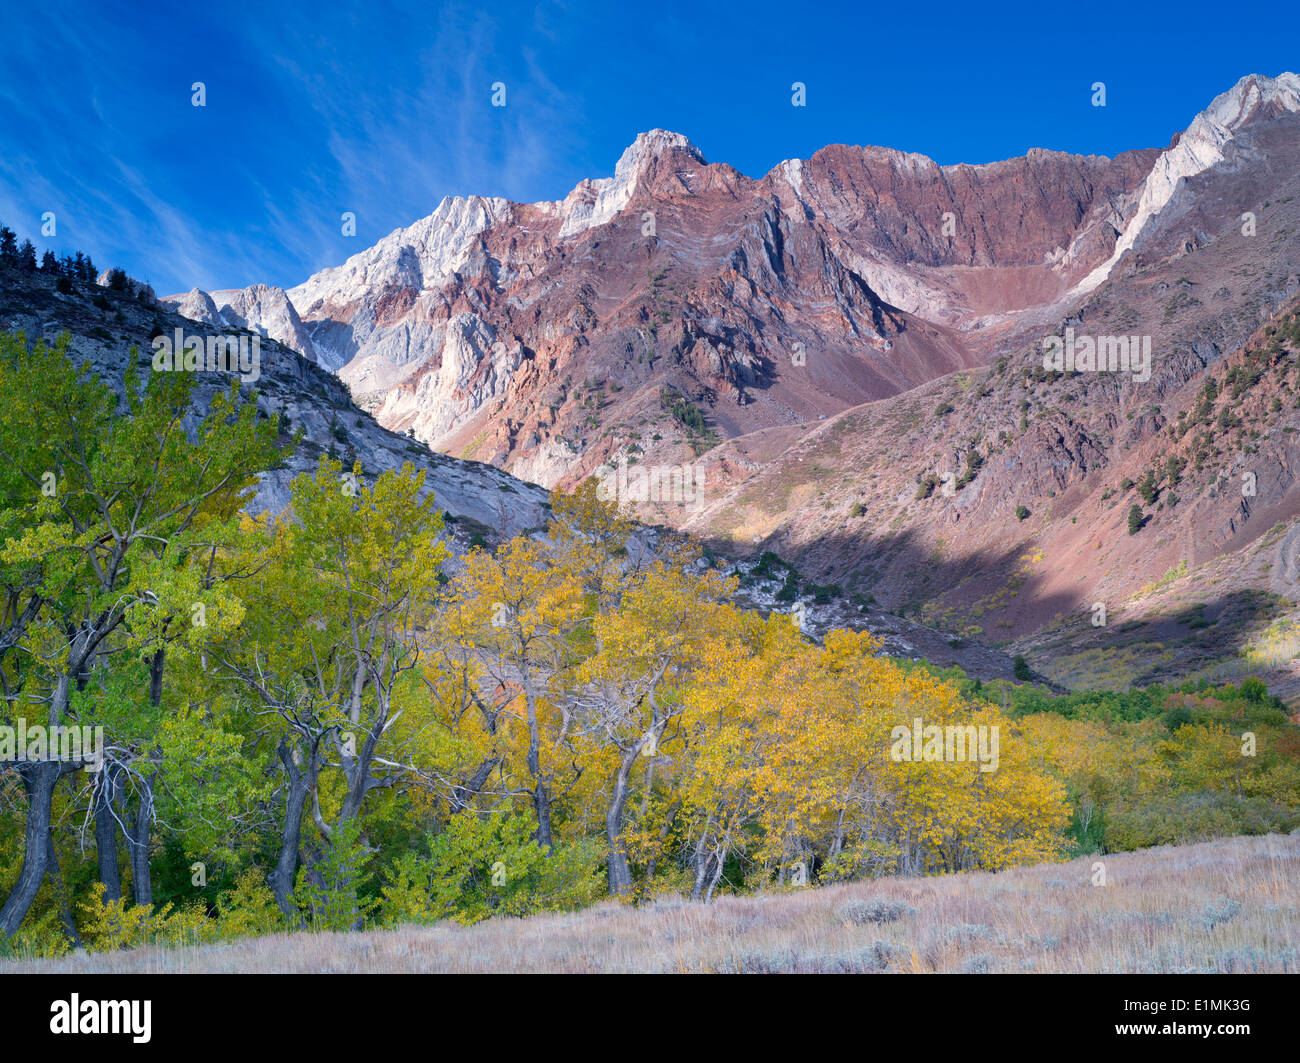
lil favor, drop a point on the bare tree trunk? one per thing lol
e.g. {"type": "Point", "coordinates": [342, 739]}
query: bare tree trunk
{"type": "Point", "coordinates": [106, 833]}
{"type": "Point", "coordinates": [703, 856]}
{"type": "Point", "coordinates": [138, 846]}
{"type": "Point", "coordinates": [541, 792]}
{"type": "Point", "coordinates": [783, 869]}
{"type": "Point", "coordinates": [837, 842]}
{"type": "Point", "coordinates": [282, 877]}
{"type": "Point", "coordinates": [460, 795]}
{"type": "Point", "coordinates": [702, 864]}
{"type": "Point", "coordinates": [156, 676]}
{"type": "Point", "coordinates": [717, 872]}
{"type": "Point", "coordinates": [620, 870]}
{"type": "Point", "coordinates": [39, 780]}
{"type": "Point", "coordinates": [542, 806]}
{"type": "Point", "coordinates": [138, 836]}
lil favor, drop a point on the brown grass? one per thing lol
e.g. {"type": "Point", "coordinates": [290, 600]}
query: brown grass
{"type": "Point", "coordinates": [1231, 905]}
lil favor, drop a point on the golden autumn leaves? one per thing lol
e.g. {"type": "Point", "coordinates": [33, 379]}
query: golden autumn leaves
{"type": "Point", "coordinates": [605, 692]}
{"type": "Point", "coordinates": [343, 721]}
{"type": "Point", "coordinates": [629, 696]}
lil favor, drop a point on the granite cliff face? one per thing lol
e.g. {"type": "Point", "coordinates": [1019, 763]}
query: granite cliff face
{"type": "Point", "coordinates": [540, 337]}
{"type": "Point", "coordinates": [261, 307]}
{"type": "Point", "coordinates": [106, 326]}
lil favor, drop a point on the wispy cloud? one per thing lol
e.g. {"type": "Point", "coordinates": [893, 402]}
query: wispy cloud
{"type": "Point", "coordinates": [382, 108]}
{"type": "Point", "coordinates": [377, 110]}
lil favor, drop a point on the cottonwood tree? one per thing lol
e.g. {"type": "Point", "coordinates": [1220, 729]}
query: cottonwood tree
{"type": "Point", "coordinates": [518, 610]}
{"type": "Point", "coordinates": [731, 736]}
{"type": "Point", "coordinates": [337, 592]}
{"type": "Point", "coordinates": [106, 492]}
{"type": "Point", "coordinates": [629, 693]}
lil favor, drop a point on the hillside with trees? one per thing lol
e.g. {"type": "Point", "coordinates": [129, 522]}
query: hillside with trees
{"type": "Point", "coordinates": [335, 718]}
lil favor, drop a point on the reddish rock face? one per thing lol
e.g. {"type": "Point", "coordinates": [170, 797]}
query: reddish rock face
{"type": "Point", "coordinates": [835, 341]}
{"type": "Point", "coordinates": [1021, 212]}
{"type": "Point", "coordinates": [542, 337]}
{"type": "Point", "coordinates": [1046, 466]}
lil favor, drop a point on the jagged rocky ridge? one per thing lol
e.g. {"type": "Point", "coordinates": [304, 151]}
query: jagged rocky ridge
{"type": "Point", "coordinates": [851, 276]}
{"type": "Point", "coordinates": [480, 498]}
{"type": "Point", "coordinates": [821, 317]}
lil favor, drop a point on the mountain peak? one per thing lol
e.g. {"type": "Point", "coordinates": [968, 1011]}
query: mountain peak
{"type": "Point", "coordinates": [652, 144]}
{"type": "Point", "coordinates": [593, 203]}
{"type": "Point", "coordinates": [1204, 144]}
{"type": "Point", "coordinates": [1238, 106]}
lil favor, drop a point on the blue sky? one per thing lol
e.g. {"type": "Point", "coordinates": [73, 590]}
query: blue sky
{"type": "Point", "coordinates": [383, 108]}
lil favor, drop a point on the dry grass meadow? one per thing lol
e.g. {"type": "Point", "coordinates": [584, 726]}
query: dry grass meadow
{"type": "Point", "coordinates": [1231, 905]}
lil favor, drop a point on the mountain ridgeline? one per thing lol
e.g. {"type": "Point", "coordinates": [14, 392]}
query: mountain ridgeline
{"type": "Point", "coordinates": [848, 354]}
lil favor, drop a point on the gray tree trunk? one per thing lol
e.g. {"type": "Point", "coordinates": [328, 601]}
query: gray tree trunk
{"type": "Point", "coordinates": [106, 834]}
{"type": "Point", "coordinates": [281, 879]}
{"type": "Point", "coordinates": [620, 870]}
{"type": "Point", "coordinates": [541, 792]}
{"type": "Point", "coordinates": [39, 780]}
{"type": "Point", "coordinates": [138, 846]}
{"type": "Point", "coordinates": [703, 857]}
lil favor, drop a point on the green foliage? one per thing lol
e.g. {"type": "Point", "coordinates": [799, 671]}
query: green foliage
{"type": "Point", "coordinates": [790, 589]}
{"type": "Point", "coordinates": [332, 893]}
{"type": "Point", "coordinates": [1184, 818]}
{"type": "Point", "coordinates": [424, 716]}
{"type": "Point", "coordinates": [248, 908]}
{"type": "Point", "coordinates": [1147, 488]}
{"type": "Point", "coordinates": [109, 925]}
{"type": "Point", "coordinates": [687, 414]}
{"type": "Point", "coordinates": [974, 461]}
{"type": "Point", "coordinates": [490, 865]}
